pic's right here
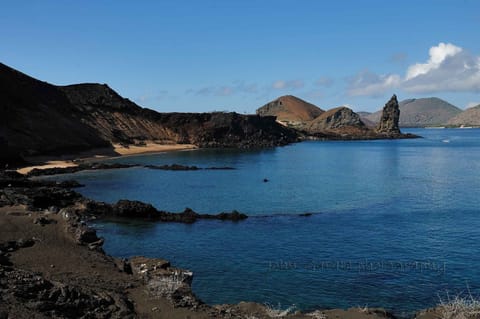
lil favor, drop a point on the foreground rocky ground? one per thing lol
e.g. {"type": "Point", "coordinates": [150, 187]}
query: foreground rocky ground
{"type": "Point", "coordinates": [52, 264]}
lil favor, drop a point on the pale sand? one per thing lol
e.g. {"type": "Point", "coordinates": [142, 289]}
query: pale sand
{"type": "Point", "coordinates": [49, 164]}
{"type": "Point", "coordinates": [118, 150]}
{"type": "Point", "coordinates": [152, 148]}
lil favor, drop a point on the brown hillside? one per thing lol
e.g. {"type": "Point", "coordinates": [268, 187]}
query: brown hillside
{"type": "Point", "coordinates": [469, 117]}
{"type": "Point", "coordinates": [337, 119]}
{"type": "Point", "coordinates": [290, 109]}
{"type": "Point", "coordinates": [38, 118]}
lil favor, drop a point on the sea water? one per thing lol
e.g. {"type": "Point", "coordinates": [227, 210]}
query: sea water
{"type": "Point", "coordinates": [393, 224]}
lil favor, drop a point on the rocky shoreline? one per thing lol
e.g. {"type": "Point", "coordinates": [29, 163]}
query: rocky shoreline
{"type": "Point", "coordinates": [92, 166]}
{"type": "Point", "coordinates": [52, 263]}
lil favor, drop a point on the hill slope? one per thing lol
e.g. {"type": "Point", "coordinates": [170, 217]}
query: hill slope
{"type": "Point", "coordinates": [290, 110]}
{"type": "Point", "coordinates": [469, 117]}
{"type": "Point", "coordinates": [38, 118]}
{"type": "Point", "coordinates": [422, 112]}
{"type": "Point", "coordinates": [334, 120]}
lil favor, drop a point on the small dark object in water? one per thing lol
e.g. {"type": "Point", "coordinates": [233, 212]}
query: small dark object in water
{"type": "Point", "coordinates": [305, 215]}
{"type": "Point", "coordinates": [265, 180]}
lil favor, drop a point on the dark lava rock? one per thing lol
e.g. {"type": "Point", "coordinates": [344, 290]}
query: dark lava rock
{"type": "Point", "coordinates": [305, 215]}
{"type": "Point", "coordinates": [24, 243]}
{"type": "Point", "coordinates": [135, 209]}
{"type": "Point", "coordinates": [42, 221]}
{"type": "Point", "coordinates": [86, 235]}
{"type": "Point", "coordinates": [173, 167]}
{"type": "Point", "coordinates": [74, 169]}
{"type": "Point", "coordinates": [389, 121]}
{"type": "Point", "coordinates": [44, 197]}
{"type": "Point", "coordinates": [225, 168]}
{"type": "Point", "coordinates": [13, 245]}
{"type": "Point", "coordinates": [334, 119]}
{"type": "Point", "coordinates": [38, 295]}
{"type": "Point", "coordinates": [98, 208]}
{"type": "Point", "coordinates": [233, 216]}
{"type": "Point", "coordinates": [38, 196]}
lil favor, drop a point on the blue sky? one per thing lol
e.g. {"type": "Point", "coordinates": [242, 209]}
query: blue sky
{"type": "Point", "coordinates": [193, 56]}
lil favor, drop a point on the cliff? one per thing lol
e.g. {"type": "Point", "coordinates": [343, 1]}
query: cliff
{"type": "Point", "coordinates": [336, 118]}
{"type": "Point", "coordinates": [38, 118]}
{"type": "Point", "coordinates": [390, 116]}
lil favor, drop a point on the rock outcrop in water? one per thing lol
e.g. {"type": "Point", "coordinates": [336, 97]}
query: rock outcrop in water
{"type": "Point", "coordinates": [421, 112]}
{"type": "Point", "coordinates": [335, 119]}
{"type": "Point", "coordinates": [339, 123]}
{"type": "Point", "coordinates": [388, 124]}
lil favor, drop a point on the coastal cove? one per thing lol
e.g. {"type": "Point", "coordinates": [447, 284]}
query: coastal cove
{"type": "Point", "coordinates": [394, 222]}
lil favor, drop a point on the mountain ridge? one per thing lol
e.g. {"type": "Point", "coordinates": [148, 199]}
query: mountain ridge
{"type": "Point", "coordinates": [422, 112]}
{"type": "Point", "coordinates": [38, 118]}
{"type": "Point", "coordinates": [469, 117]}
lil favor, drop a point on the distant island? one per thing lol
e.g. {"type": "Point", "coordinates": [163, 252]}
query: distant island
{"type": "Point", "coordinates": [429, 112]}
{"type": "Point", "coordinates": [340, 123]}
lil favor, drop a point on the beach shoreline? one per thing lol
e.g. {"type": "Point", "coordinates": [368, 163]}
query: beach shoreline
{"type": "Point", "coordinates": [117, 150]}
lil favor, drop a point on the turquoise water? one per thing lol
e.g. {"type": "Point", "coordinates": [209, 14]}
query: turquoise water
{"type": "Point", "coordinates": [395, 223]}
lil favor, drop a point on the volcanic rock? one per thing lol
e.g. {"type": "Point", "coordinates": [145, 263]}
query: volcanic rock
{"type": "Point", "coordinates": [389, 121]}
{"type": "Point", "coordinates": [336, 118]}
{"type": "Point", "coordinates": [38, 118]}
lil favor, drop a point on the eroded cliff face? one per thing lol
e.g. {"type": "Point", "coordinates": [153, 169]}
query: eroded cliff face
{"type": "Point", "coordinates": [334, 119]}
{"type": "Point", "coordinates": [119, 120]}
{"type": "Point", "coordinates": [38, 118]}
{"type": "Point", "coordinates": [390, 116]}
{"type": "Point", "coordinates": [226, 129]}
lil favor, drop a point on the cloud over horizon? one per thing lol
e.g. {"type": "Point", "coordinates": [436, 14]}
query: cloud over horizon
{"type": "Point", "coordinates": [449, 68]}
{"type": "Point", "coordinates": [288, 85]}
{"type": "Point", "coordinates": [225, 90]}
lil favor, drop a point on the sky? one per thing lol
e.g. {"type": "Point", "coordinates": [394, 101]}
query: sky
{"type": "Point", "coordinates": [226, 55]}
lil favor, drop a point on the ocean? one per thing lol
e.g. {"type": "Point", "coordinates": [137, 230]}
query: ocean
{"type": "Point", "coordinates": [393, 224]}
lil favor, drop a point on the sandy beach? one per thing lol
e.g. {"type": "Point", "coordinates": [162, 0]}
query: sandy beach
{"type": "Point", "coordinates": [72, 160]}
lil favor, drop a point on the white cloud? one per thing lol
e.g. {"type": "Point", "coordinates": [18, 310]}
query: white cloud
{"type": "Point", "coordinates": [455, 73]}
{"type": "Point", "coordinates": [371, 84]}
{"type": "Point", "coordinates": [438, 54]}
{"type": "Point", "coordinates": [449, 68]}
{"type": "Point", "coordinates": [288, 85]}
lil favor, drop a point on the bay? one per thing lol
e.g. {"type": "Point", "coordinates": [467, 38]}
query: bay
{"type": "Point", "coordinates": [394, 224]}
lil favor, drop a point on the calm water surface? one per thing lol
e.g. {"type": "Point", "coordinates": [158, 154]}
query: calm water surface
{"type": "Point", "coordinates": [395, 223]}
